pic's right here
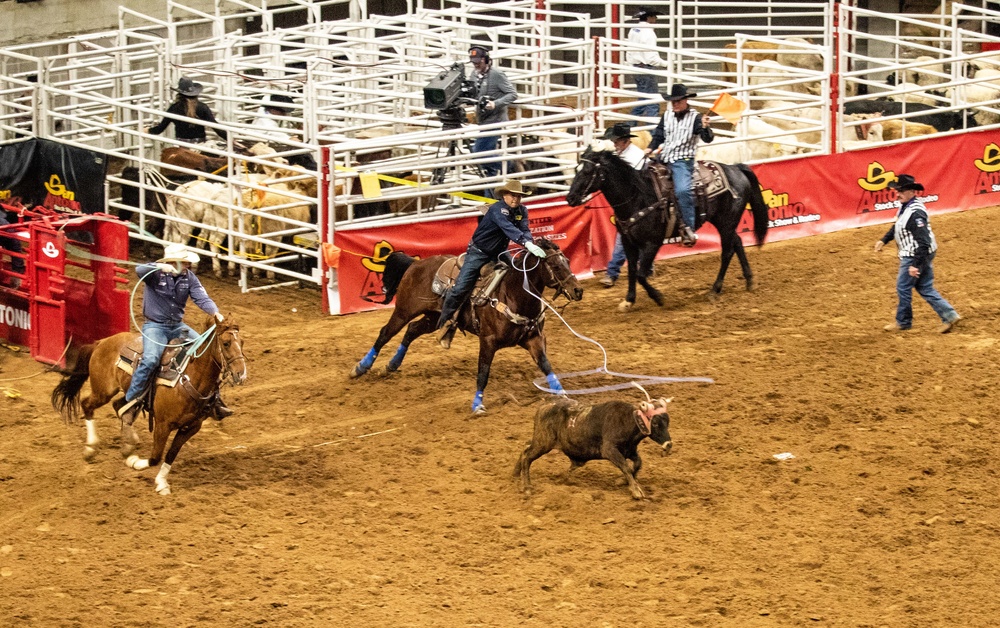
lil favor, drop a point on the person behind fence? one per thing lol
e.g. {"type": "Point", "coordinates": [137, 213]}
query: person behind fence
{"type": "Point", "coordinates": [676, 137]}
{"type": "Point", "coordinates": [916, 249]}
{"type": "Point", "coordinates": [621, 136]}
{"type": "Point", "coordinates": [494, 94]}
{"type": "Point", "coordinates": [643, 34]}
{"type": "Point", "coordinates": [268, 122]}
{"type": "Point", "coordinates": [168, 285]}
{"type": "Point", "coordinates": [506, 220]}
{"type": "Point", "coordinates": [188, 105]}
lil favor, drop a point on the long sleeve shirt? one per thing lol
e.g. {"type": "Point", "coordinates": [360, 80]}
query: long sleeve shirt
{"type": "Point", "coordinates": [499, 227]}
{"type": "Point", "coordinates": [495, 85]}
{"type": "Point", "coordinates": [165, 295]}
{"type": "Point", "coordinates": [633, 156]}
{"type": "Point", "coordinates": [183, 129]}
{"type": "Point", "coordinates": [912, 232]}
{"type": "Point", "coordinates": [644, 35]}
{"type": "Point", "coordinates": [679, 135]}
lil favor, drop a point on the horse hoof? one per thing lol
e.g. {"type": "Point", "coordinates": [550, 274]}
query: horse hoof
{"type": "Point", "coordinates": [88, 453]}
{"type": "Point", "coordinates": [713, 296]}
{"type": "Point", "coordinates": [358, 372]}
{"type": "Point", "coordinates": [134, 462]}
{"type": "Point", "coordinates": [751, 285]}
{"type": "Point", "coordinates": [625, 306]}
{"type": "Point", "coordinates": [164, 490]}
{"type": "Point", "coordinates": [479, 410]}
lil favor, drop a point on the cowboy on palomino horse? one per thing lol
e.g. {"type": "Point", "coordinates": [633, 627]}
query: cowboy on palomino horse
{"type": "Point", "coordinates": [168, 284]}
{"type": "Point", "coordinates": [505, 220]}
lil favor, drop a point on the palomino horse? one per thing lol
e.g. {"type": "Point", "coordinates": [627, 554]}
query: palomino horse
{"type": "Point", "coordinates": [181, 408]}
{"type": "Point", "coordinates": [643, 223]}
{"type": "Point", "coordinates": [512, 317]}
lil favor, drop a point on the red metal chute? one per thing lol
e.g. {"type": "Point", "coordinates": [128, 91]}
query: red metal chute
{"type": "Point", "coordinates": [71, 291]}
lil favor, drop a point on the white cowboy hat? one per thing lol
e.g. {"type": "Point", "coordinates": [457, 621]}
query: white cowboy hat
{"type": "Point", "coordinates": [177, 253]}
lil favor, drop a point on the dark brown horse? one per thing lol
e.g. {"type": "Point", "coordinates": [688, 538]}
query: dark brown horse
{"type": "Point", "coordinates": [191, 159]}
{"type": "Point", "coordinates": [181, 408]}
{"type": "Point", "coordinates": [512, 318]}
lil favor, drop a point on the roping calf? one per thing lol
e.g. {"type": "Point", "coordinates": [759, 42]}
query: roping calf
{"type": "Point", "coordinates": [610, 431]}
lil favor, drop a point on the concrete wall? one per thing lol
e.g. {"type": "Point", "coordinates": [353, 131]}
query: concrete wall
{"type": "Point", "coordinates": [45, 20]}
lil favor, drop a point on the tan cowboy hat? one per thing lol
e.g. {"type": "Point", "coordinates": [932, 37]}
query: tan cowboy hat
{"type": "Point", "coordinates": [177, 253]}
{"type": "Point", "coordinates": [511, 187]}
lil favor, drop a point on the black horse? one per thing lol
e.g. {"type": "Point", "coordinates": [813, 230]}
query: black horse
{"type": "Point", "coordinates": [643, 223]}
{"type": "Point", "coordinates": [513, 317]}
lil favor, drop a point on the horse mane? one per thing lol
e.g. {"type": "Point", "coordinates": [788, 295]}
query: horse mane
{"type": "Point", "coordinates": [622, 171]}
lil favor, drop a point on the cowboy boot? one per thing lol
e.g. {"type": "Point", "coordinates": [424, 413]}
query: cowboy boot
{"type": "Point", "coordinates": [220, 410]}
{"type": "Point", "coordinates": [128, 410]}
{"type": "Point", "coordinates": [688, 236]}
{"type": "Point", "coordinates": [447, 334]}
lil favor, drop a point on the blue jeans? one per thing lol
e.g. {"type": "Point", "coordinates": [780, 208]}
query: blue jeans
{"type": "Point", "coordinates": [647, 84]}
{"type": "Point", "coordinates": [682, 171]}
{"type": "Point", "coordinates": [617, 258]}
{"type": "Point", "coordinates": [465, 283]}
{"type": "Point", "coordinates": [485, 144]}
{"type": "Point", "coordinates": [154, 342]}
{"type": "Point", "coordinates": [924, 285]}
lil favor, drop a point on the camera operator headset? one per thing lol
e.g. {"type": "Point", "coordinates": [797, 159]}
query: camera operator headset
{"type": "Point", "coordinates": [494, 93]}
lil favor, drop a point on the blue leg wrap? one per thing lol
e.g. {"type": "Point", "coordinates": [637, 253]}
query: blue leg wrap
{"type": "Point", "coordinates": [554, 383]}
{"type": "Point", "coordinates": [369, 359]}
{"type": "Point", "coordinates": [397, 360]}
{"type": "Point", "coordinates": [477, 400]}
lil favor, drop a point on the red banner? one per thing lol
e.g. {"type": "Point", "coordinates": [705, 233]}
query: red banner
{"type": "Point", "coordinates": [805, 197]}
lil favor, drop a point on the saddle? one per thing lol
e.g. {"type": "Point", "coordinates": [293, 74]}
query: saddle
{"type": "Point", "coordinates": [708, 181]}
{"type": "Point", "coordinates": [170, 369]}
{"type": "Point", "coordinates": [489, 278]}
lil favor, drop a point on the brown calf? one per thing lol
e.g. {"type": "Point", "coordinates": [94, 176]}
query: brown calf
{"type": "Point", "coordinates": [610, 431]}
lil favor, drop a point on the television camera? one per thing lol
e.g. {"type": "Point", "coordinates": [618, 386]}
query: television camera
{"type": "Point", "coordinates": [448, 92]}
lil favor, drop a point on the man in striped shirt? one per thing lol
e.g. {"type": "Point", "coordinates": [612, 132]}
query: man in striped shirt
{"type": "Point", "coordinates": [677, 137]}
{"type": "Point", "coordinates": [917, 247]}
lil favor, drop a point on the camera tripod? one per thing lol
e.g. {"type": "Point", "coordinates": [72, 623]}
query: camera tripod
{"type": "Point", "coordinates": [452, 118]}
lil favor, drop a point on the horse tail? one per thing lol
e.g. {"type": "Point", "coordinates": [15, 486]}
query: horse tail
{"type": "Point", "coordinates": [757, 205]}
{"type": "Point", "coordinates": [395, 267]}
{"type": "Point", "coordinates": [66, 395]}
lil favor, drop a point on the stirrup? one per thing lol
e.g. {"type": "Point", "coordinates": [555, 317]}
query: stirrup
{"type": "Point", "coordinates": [127, 410]}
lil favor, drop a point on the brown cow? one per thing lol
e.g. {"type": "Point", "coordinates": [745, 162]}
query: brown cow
{"type": "Point", "coordinates": [610, 431]}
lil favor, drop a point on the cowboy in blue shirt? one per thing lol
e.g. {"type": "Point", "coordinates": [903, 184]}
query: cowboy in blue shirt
{"type": "Point", "coordinates": [505, 221]}
{"type": "Point", "coordinates": [169, 284]}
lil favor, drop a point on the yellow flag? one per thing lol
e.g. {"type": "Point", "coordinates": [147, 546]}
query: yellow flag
{"type": "Point", "coordinates": [729, 108]}
{"type": "Point", "coordinates": [370, 187]}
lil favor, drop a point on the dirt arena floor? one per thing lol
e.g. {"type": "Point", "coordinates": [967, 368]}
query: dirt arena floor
{"type": "Point", "coordinates": [328, 501]}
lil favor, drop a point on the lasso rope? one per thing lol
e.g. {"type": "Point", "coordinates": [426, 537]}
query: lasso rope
{"type": "Point", "coordinates": [541, 383]}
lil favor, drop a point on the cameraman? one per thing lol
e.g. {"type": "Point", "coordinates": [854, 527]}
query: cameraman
{"type": "Point", "coordinates": [493, 93]}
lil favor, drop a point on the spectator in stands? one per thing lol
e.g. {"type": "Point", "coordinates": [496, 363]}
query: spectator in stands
{"type": "Point", "coordinates": [643, 34]}
{"type": "Point", "coordinates": [505, 220]}
{"type": "Point", "coordinates": [494, 94]}
{"type": "Point", "coordinates": [188, 105]}
{"type": "Point", "coordinates": [916, 249]}
{"type": "Point", "coordinates": [676, 137]}
{"type": "Point", "coordinates": [169, 284]}
{"type": "Point", "coordinates": [621, 135]}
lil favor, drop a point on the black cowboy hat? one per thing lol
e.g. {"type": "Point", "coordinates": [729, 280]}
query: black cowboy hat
{"type": "Point", "coordinates": [906, 182]}
{"type": "Point", "coordinates": [187, 87]}
{"type": "Point", "coordinates": [679, 91]}
{"type": "Point", "coordinates": [619, 131]}
{"type": "Point", "coordinates": [277, 101]}
{"type": "Point", "coordinates": [645, 12]}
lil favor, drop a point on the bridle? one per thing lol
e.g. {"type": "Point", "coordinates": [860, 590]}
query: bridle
{"type": "Point", "coordinates": [555, 282]}
{"type": "Point", "coordinates": [596, 175]}
{"type": "Point", "coordinates": [226, 365]}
